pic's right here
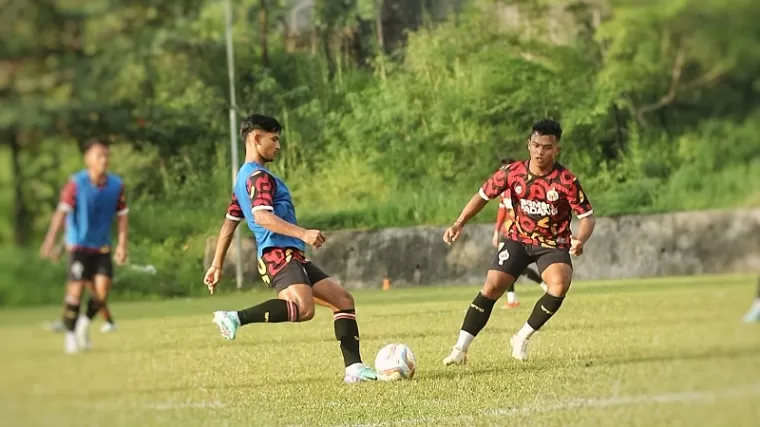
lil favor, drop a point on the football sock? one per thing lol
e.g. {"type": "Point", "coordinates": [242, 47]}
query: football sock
{"type": "Point", "coordinates": [511, 296]}
{"type": "Point", "coordinates": [93, 306]}
{"type": "Point", "coordinates": [70, 315]}
{"type": "Point", "coordinates": [475, 320]}
{"type": "Point", "coordinates": [532, 275]}
{"type": "Point", "coordinates": [347, 333]}
{"type": "Point", "coordinates": [511, 288]}
{"type": "Point", "coordinates": [544, 309]}
{"type": "Point", "coordinates": [106, 313]}
{"type": "Point", "coordinates": [272, 311]}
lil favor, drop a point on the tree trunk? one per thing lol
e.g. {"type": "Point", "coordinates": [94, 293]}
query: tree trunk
{"type": "Point", "coordinates": [21, 219]}
{"type": "Point", "coordinates": [379, 26]}
{"type": "Point", "coordinates": [264, 32]}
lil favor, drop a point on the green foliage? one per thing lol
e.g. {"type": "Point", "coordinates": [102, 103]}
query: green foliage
{"type": "Point", "coordinates": [658, 102]}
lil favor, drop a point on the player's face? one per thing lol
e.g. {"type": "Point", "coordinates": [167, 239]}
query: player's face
{"type": "Point", "coordinates": [543, 149]}
{"type": "Point", "coordinates": [96, 158]}
{"type": "Point", "coordinates": [268, 145]}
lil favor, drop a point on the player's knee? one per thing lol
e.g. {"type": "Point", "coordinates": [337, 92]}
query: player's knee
{"type": "Point", "coordinates": [74, 290]}
{"type": "Point", "coordinates": [557, 286]}
{"type": "Point", "coordinates": [96, 302]}
{"type": "Point", "coordinates": [344, 301]}
{"type": "Point", "coordinates": [496, 283]}
{"type": "Point", "coordinates": [305, 312]}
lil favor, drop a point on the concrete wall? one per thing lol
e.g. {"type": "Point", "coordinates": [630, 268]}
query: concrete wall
{"type": "Point", "coordinates": [631, 246]}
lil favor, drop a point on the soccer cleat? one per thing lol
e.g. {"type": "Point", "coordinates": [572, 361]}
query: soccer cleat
{"type": "Point", "coordinates": [513, 304]}
{"type": "Point", "coordinates": [519, 348]}
{"type": "Point", "coordinates": [108, 327]}
{"type": "Point", "coordinates": [457, 357]}
{"type": "Point", "coordinates": [70, 345]}
{"type": "Point", "coordinates": [362, 373]}
{"type": "Point", "coordinates": [753, 315]}
{"type": "Point", "coordinates": [83, 333]}
{"type": "Point", "coordinates": [55, 326]}
{"type": "Point", "coordinates": [228, 323]}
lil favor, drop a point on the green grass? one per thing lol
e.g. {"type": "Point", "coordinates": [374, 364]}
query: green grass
{"type": "Point", "coordinates": [665, 352]}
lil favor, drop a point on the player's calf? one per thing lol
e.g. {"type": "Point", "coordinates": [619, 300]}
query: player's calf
{"type": "Point", "coordinates": [478, 314]}
{"type": "Point", "coordinates": [94, 305]}
{"type": "Point", "coordinates": [345, 325]}
{"type": "Point", "coordinates": [70, 317]}
{"type": "Point", "coordinates": [558, 277]}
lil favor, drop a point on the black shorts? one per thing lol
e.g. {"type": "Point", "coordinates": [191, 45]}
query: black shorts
{"type": "Point", "coordinates": [513, 257]}
{"type": "Point", "coordinates": [83, 266]}
{"type": "Point", "coordinates": [282, 267]}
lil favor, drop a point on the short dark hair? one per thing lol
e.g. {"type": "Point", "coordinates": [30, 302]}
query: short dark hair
{"type": "Point", "coordinates": [507, 160]}
{"type": "Point", "coordinates": [547, 127]}
{"type": "Point", "coordinates": [259, 122]}
{"type": "Point", "coordinates": [91, 143]}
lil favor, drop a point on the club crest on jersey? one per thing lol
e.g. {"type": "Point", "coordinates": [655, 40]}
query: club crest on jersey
{"type": "Point", "coordinates": [534, 207]}
{"type": "Point", "coordinates": [552, 195]}
{"type": "Point", "coordinates": [518, 189]}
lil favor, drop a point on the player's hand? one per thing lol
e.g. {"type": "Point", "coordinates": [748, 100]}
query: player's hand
{"type": "Point", "coordinates": [495, 239]}
{"type": "Point", "coordinates": [313, 238]}
{"type": "Point", "coordinates": [120, 255]}
{"type": "Point", "coordinates": [212, 277]}
{"type": "Point", "coordinates": [576, 247]}
{"type": "Point", "coordinates": [56, 254]}
{"type": "Point", "coordinates": [452, 233]}
{"type": "Point", "coordinates": [46, 250]}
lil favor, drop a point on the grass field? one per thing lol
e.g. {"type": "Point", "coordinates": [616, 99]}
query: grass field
{"type": "Point", "coordinates": [667, 352]}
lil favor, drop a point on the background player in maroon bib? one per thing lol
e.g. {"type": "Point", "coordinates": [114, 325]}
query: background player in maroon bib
{"type": "Point", "coordinates": [504, 219]}
{"type": "Point", "coordinates": [544, 194]}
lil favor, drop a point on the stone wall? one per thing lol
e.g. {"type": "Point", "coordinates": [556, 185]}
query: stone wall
{"type": "Point", "coordinates": [624, 247]}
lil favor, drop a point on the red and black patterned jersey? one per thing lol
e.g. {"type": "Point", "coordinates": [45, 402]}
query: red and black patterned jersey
{"type": "Point", "coordinates": [542, 204]}
{"type": "Point", "coordinates": [505, 199]}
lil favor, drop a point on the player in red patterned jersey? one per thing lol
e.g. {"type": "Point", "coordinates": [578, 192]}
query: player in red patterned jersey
{"type": "Point", "coordinates": [504, 219]}
{"type": "Point", "coordinates": [544, 195]}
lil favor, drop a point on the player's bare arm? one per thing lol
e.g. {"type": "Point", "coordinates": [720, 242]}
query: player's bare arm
{"type": "Point", "coordinates": [223, 241]}
{"type": "Point", "coordinates": [494, 186]}
{"type": "Point", "coordinates": [66, 204]}
{"type": "Point", "coordinates": [56, 224]}
{"type": "Point", "coordinates": [261, 188]}
{"type": "Point", "coordinates": [582, 208]}
{"type": "Point", "coordinates": [500, 219]}
{"type": "Point", "coordinates": [472, 208]}
{"type": "Point", "coordinates": [120, 255]}
{"type": "Point", "coordinates": [585, 229]}
{"type": "Point", "coordinates": [273, 223]}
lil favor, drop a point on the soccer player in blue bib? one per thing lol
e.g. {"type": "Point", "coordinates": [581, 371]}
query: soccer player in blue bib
{"type": "Point", "coordinates": [88, 205]}
{"type": "Point", "coordinates": [264, 202]}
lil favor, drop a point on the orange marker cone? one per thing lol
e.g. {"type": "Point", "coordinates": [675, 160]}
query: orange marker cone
{"type": "Point", "coordinates": [386, 284]}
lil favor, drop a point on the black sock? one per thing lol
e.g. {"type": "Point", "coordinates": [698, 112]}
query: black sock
{"type": "Point", "coordinates": [70, 315]}
{"type": "Point", "coordinates": [545, 308]}
{"type": "Point", "coordinates": [93, 306]}
{"type": "Point", "coordinates": [511, 287]}
{"type": "Point", "coordinates": [106, 314]}
{"type": "Point", "coordinates": [532, 275]}
{"type": "Point", "coordinates": [347, 333]}
{"type": "Point", "coordinates": [272, 311]}
{"type": "Point", "coordinates": [478, 314]}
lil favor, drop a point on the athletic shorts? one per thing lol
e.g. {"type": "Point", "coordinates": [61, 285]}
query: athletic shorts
{"type": "Point", "coordinates": [84, 266]}
{"type": "Point", "coordinates": [513, 257]}
{"type": "Point", "coordinates": [282, 267]}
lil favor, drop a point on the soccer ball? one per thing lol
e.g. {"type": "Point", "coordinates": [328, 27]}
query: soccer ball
{"type": "Point", "coordinates": [396, 361]}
